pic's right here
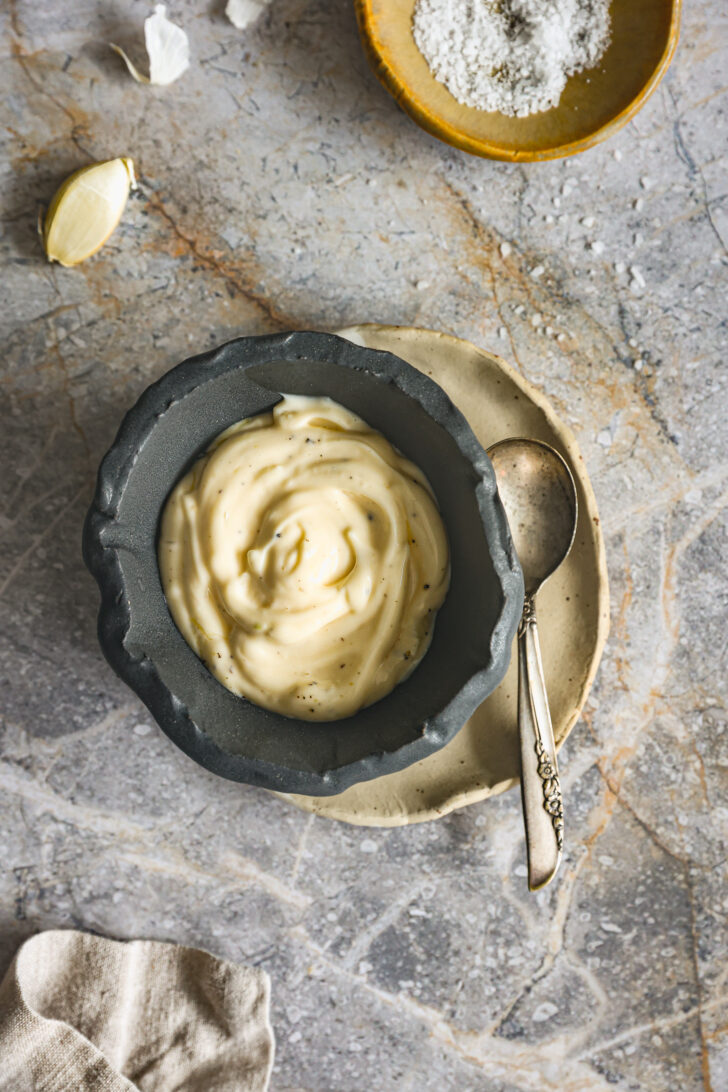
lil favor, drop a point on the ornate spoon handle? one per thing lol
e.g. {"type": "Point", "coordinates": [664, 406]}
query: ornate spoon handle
{"type": "Point", "coordinates": [542, 804]}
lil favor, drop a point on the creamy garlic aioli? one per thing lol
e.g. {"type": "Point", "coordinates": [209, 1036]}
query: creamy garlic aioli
{"type": "Point", "coordinates": [303, 559]}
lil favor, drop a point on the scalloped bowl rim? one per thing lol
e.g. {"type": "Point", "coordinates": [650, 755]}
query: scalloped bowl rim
{"type": "Point", "coordinates": [141, 674]}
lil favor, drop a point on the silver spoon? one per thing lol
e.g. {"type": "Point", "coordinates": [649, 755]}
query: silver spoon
{"type": "Point", "coordinates": [539, 496]}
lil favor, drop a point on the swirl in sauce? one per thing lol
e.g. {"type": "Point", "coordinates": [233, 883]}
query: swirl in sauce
{"type": "Point", "coordinates": [303, 558]}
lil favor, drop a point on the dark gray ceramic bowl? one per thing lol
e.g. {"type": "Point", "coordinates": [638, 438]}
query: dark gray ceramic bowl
{"type": "Point", "coordinates": [170, 426]}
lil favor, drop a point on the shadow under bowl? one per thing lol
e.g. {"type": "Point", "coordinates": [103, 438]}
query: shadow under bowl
{"type": "Point", "coordinates": [594, 104]}
{"type": "Point", "coordinates": [171, 425]}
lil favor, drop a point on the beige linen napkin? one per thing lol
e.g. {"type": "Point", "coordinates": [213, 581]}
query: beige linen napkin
{"type": "Point", "coordinates": [79, 1013]}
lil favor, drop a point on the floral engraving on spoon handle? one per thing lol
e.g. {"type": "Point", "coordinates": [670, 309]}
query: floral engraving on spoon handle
{"type": "Point", "coordinates": [528, 618]}
{"type": "Point", "coordinates": [552, 799]}
{"type": "Point", "coordinates": [547, 770]}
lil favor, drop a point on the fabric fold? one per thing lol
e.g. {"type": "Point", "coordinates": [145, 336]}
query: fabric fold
{"type": "Point", "coordinates": [81, 1012]}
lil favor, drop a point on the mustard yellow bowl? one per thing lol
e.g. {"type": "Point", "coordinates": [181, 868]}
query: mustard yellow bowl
{"type": "Point", "coordinates": [594, 104]}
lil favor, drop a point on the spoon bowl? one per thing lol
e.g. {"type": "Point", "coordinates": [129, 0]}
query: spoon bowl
{"type": "Point", "coordinates": [539, 495]}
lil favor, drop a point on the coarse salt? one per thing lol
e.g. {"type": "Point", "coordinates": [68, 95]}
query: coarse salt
{"type": "Point", "coordinates": [637, 275]}
{"type": "Point", "coordinates": [513, 56]}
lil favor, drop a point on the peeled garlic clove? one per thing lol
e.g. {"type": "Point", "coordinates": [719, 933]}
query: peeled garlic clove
{"type": "Point", "coordinates": [86, 209]}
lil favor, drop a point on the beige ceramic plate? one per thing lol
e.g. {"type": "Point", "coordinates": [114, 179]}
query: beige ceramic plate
{"type": "Point", "coordinates": [593, 106]}
{"type": "Point", "coordinates": [573, 607]}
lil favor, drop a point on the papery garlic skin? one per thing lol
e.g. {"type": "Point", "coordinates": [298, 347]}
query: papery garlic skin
{"type": "Point", "coordinates": [243, 13]}
{"type": "Point", "coordinates": [168, 49]}
{"type": "Point", "coordinates": [86, 209]}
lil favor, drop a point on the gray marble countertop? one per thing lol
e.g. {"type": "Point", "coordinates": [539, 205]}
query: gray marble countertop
{"type": "Point", "coordinates": [282, 188]}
